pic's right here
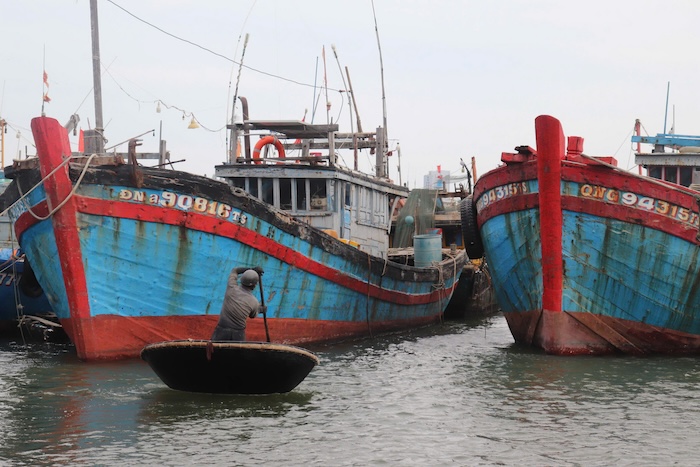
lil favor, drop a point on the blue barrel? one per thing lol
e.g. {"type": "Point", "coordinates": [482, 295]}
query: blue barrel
{"type": "Point", "coordinates": [427, 249]}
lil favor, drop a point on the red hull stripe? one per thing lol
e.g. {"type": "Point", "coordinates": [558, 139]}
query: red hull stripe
{"type": "Point", "coordinates": [246, 236]}
{"type": "Point", "coordinates": [599, 176]}
{"type": "Point", "coordinates": [116, 337]}
{"type": "Point", "coordinates": [618, 212]}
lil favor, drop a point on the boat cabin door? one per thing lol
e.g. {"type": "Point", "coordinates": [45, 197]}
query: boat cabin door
{"type": "Point", "coordinates": [346, 222]}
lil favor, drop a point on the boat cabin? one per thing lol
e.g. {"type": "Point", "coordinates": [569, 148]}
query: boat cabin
{"type": "Point", "coordinates": [294, 167]}
{"type": "Point", "coordinates": [680, 166]}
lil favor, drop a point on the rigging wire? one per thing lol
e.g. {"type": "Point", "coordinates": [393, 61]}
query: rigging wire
{"type": "Point", "coordinates": [234, 62]}
{"type": "Point", "coordinates": [194, 44]}
{"type": "Point", "coordinates": [230, 79]}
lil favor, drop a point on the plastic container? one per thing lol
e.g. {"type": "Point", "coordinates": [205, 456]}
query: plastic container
{"type": "Point", "coordinates": [427, 249]}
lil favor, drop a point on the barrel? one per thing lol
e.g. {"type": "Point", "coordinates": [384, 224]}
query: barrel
{"type": "Point", "coordinates": [427, 249]}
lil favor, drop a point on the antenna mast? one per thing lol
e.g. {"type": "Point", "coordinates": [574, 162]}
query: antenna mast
{"type": "Point", "coordinates": [668, 90]}
{"type": "Point", "coordinates": [381, 156]}
{"type": "Point", "coordinates": [97, 77]}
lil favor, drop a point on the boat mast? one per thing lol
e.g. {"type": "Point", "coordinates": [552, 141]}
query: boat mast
{"type": "Point", "coordinates": [668, 90]}
{"type": "Point", "coordinates": [96, 77]}
{"type": "Point", "coordinates": [381, 169]}
{"type": "Point", "coordinates": [3, 131]}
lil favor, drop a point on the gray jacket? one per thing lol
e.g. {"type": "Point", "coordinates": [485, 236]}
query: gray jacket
{"type": "Point", "coordinates": [239, 304]}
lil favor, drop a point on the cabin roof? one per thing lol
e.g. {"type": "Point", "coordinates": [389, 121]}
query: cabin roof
{"type": "Point", "coordinates": [668, 159]}
{"type": "Point", "coordinates": [293, 129]}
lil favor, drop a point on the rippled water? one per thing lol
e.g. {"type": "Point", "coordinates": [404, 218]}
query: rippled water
{"type": "Point", "coordinates": [456, 394]}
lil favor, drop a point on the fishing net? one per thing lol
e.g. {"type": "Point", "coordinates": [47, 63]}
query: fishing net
{"type": "Point", "coordinates": [416, 217]}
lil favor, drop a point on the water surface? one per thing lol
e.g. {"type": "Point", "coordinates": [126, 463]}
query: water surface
{"type": "Point", "coordinates": [460, 393]}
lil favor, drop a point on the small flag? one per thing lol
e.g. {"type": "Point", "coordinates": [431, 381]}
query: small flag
{"type": "Point", "coordinates": [46, 84]}
{"type": "Point", "coordinates": [81, 141]}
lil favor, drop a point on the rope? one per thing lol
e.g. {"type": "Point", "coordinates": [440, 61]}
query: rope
{"type": "Point", "coordinates": [21, 198]}
{"type": "Point", "coordinates": [441, 285]}
{"type": "Point", "coordinates": [369, 276]}
{"type": "Point", "coordinates": [62, 203]}
{"type": "Point", "coordinates": [19, 307]}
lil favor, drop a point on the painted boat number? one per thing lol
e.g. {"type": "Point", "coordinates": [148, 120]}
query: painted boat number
{"type": "Point", "coordinates": [185, 203]}
{"type": "Point", "coordinates": [6, 279]}
{"type": "Point", "coordinates": [500, 193]}
{"type": "Point", "coordinates": [645, 203]}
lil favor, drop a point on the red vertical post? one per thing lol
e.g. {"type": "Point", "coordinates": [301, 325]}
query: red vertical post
{"type": "Point", "coordinates": [550, 152]}
{"type": "Point", "coordinates": [53, 147]}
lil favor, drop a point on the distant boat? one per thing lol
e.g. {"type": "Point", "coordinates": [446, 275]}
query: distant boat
{"type": "Point", "coordinates": [441, 216]}
{"type": "Point", "coordinates": [22, 301]}
{"type": "Point", "coordinates": [588, 258]}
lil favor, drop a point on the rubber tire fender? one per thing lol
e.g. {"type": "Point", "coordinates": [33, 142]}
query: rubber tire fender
{"type": "Point", "coordinates": [470, 230]}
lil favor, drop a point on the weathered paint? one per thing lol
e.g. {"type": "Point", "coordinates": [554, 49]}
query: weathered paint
{"type": "Point", "coordinates": [629, 256]}
{"type": "Point", "coordinates": [153, 265]}
{"type": "Point", "coordinates": [52, 142]}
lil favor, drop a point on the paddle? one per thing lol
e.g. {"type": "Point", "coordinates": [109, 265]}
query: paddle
{"type": "Point", "coordinates": [262, 301]}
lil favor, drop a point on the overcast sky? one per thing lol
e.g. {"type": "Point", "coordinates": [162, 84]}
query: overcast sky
{"type": "Point", "coordinates": [462, 78]}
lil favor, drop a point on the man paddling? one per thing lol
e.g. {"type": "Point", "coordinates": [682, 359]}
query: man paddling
{"type": "Point", "coordinates": [239, 304]}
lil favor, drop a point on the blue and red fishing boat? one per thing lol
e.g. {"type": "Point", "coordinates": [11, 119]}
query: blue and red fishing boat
{"type": "Point", "coordinates": [588, 258]}
{"type": "Point", "coordinates": [130, 255]}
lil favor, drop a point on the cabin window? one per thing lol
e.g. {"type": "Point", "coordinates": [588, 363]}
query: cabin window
{"type": "Point", "coordinates": [319, 195]}
{"type": "Point", "coordinates": [671, 174]}
{"type": "Point", "coordinates": [286, 194]}
{"type": "Point", "coordinates": [686, 176]}
{"type": "Point", "coordinates": [301, 194]}
{"type": "Point", "coordinates": [253, 186]}
{"type": "Point", "coordinates": [348, 194]}
{"type": "Point", "coordinates": [267, 190]}
{"type": "Point", "coordinates": [238, 182]}
{"type": "Point", "coordinates": [654, 171]}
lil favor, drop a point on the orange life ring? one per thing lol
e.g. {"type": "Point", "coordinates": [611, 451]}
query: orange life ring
{"type": "Point", "coordinates": [265, 141]}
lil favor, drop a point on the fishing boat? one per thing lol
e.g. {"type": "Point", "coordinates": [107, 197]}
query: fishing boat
{"type": "Point", "coordinates": [130, 255]}
{"type": "Point", "coordinates": [588, 258]}
{"type": "Point", "coordinates": [23, 304]}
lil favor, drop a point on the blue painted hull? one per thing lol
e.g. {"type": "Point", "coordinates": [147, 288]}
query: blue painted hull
{"type": "Point", "coordinates": [629, 277]}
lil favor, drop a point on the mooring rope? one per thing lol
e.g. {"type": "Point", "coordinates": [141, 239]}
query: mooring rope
{"type": "Point", "coordinates": [369, 277]}
{"type": "Point", "coordinates": [22, 197]}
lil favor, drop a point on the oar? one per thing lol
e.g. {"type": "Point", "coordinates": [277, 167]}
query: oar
{"type": "Point", "coordinates": [262, 301]}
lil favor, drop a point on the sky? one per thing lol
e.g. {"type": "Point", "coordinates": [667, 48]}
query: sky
{"type": "Point", "coordinates": [461, 79]}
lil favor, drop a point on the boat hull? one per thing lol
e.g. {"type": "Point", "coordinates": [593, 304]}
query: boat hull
{"type": "Point", "coordinates": [131, 259]}
{"type": "Point", "coordinates": [594, 260]}
{"type": "Point", "coordinates": [18, 299]}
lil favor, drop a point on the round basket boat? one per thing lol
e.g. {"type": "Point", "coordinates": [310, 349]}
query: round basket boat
{"type": "Point", "coordinates": [229, 367]}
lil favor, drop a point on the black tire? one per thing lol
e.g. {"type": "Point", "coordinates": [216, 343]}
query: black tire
{"type": "Point", "coordinates": [28, 284]}
{"type": "Point", "coordinates": [470, 230]}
